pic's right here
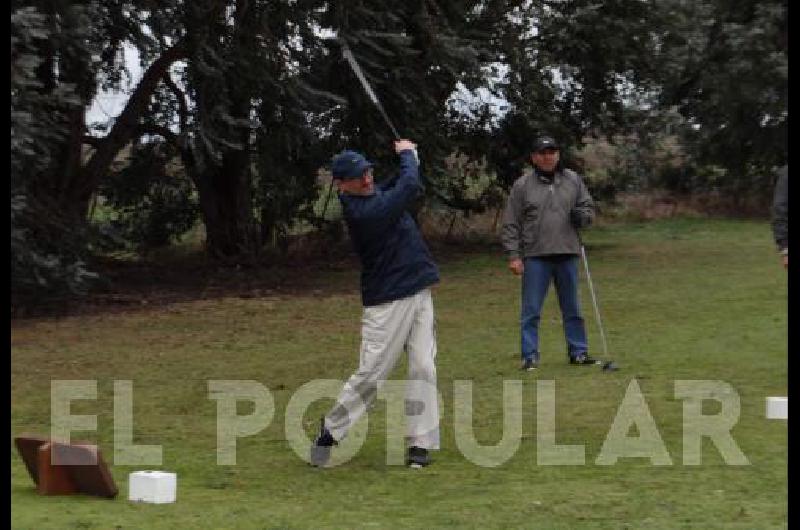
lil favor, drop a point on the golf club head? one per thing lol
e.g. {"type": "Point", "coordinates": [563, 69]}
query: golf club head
{"type": "Point", "coordinates": [610, 366]}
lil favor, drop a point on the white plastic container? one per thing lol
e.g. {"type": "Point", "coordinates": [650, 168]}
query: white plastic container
{"type": "Point", "coordinates": [157, 487]}
{"type": "Point", "coordinates": [778, 408]}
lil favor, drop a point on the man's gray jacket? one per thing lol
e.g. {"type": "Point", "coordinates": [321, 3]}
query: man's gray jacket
{"type": "Point", "coordinates": [780, 210]}
{"type": "Point", "coordinates": [542, 218]}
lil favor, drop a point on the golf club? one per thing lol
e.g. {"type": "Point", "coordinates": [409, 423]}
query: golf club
{"type": "Point", "coordinates": [607, 364]}
{"type": "Point", "coordinates": [348, 55]}
{"type": "Point", "coordinates": [351, 60]}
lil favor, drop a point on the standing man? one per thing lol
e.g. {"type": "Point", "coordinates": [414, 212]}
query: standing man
{"type": "Point", "coordinates": [545, 209]}
{"type": "Point", "coordinates": [396, 276]}
{"type": "Point", "coordinates": [780, 215]}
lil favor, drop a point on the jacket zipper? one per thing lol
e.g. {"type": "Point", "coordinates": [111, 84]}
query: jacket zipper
{"type": "Point", "coordinates": [548, 200]}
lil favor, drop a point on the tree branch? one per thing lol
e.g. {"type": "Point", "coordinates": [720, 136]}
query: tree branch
{"type": "Point", "coordinates": [157, 130]}
{"type": "Point", "coordinates": [126, 123]}
{"type": "Point", "coordinates": [183, 109]}
{"type": "Point", "coordinates": [93, 141]}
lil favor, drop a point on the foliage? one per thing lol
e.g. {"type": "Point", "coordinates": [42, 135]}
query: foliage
{"type": "Point", "coordinates": [725, 67]}
{"type": "Point", "coordinates": [48, 251]}
{"type": "Point", "coordinates": [253, 97]}
{"type": "Point", "coordinates": [41, 266]}
{"type": "Point", "coordinates": [151, 196]}
{"type": "Point", "coordinates": [565, 76]}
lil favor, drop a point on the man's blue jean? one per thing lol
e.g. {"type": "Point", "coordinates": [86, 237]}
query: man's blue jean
{"type": "Point", "coordinates": [563, 270]}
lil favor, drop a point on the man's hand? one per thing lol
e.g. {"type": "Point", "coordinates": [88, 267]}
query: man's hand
{"type": "Point", "coordinates": [579, 219]}
{"type": "Point", "coordinates": [402, 145]}
{"type": "Point", "coordinates": [516, 266]}
{"type": "Point", "coordinates": [786, 261]}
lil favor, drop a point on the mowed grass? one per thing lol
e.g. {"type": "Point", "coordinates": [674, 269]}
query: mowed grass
{"type": "Point", "coordinates": [680, 300]}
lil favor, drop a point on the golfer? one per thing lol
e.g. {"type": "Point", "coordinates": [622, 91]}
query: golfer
{"type": "Point", "coordinates": [780, 215]}
{"type": "Point", "coordinates": [397, 271]}
{"type": "Point", "coordinates": [545, 209]}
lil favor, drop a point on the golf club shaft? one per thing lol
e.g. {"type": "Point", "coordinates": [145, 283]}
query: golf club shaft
{"type": "Point", "coordinates": [594, 301]}
{"type": "Point", "coordinates": [351, 60]}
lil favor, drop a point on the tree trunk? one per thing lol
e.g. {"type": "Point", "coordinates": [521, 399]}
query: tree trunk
{"type": "Point", "coordinates": [226, 205]}
{"type": "Point", "coordinates": [224, 188]}
{"type": "Point", "coordinates": [70, 197]}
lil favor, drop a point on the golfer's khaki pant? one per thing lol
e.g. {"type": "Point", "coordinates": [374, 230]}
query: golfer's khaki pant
{"type": "Point", "coordinates": [385, 330]}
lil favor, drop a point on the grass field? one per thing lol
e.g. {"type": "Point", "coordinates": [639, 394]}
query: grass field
{"type": "Point", "coordinates": [680, 300]}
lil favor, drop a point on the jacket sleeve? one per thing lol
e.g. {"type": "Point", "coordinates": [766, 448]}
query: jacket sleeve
{"type": "Point", "coordinates": [511, 233]}
{"type": "Point", "coordinates": [582, 213]}
{"type": "Point", "coordinates": [390, 205]}
{"type": "Point", "coordinates": [389, 184]}
{"type": "Point", "coordinates": [780, 210]}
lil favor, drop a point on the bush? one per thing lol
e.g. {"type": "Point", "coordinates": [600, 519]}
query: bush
{"type": "Point", "coordinates": [151, 201]}
{"type": "Point", "coordinates": [45, 267]}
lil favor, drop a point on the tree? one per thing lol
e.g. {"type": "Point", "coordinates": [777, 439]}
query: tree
{"type": "Point", "coordinates": [569, 69]}
{"type": "Point", "coordinates": [725, 67]}
{"type": "Point", "coordinates": [272, 100]}
{"type": "Point", "coordinates": [48, 86]}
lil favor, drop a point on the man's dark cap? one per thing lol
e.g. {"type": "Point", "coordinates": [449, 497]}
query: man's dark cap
{"type": "Point", "coordinates": [545, 142]}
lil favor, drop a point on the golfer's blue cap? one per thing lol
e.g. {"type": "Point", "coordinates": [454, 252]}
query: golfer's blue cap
{"type": "Point", "coordinates": [349, 165]}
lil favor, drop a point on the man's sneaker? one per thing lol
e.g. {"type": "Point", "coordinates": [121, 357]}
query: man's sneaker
{"type": "Point", "coordinates": [321, 449]}
{"type": "Point", "coordinates": [583, 358]}
{"type": "Point", "coordinates": [529, 364]}
{"type": "Point", "coordinates": [417, 457]}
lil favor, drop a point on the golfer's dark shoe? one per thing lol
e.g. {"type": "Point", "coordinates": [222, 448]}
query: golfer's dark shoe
{"type": "Point", "coordinates": [418, 457]}
{"type": "Point", "coordinates": [583, 358]}
{"type": "Point", "coordinates": [529, 364]}
{"type": "Point", "coordinates": [321, 449]}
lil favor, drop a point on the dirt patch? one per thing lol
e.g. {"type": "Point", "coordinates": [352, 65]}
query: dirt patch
{"type": "Point", "coordinates": [663, 205]}
{"type": "Point", "coordinates": [138, 285]}
{"type": "Point", "coordinates": [146, 284]}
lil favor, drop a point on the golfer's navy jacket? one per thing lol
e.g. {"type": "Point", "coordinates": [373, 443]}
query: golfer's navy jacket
{"type": "Point", "coordinates": [395, 260]}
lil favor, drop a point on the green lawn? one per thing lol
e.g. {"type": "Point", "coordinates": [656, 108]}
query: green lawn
{"type": "Point", "coordinates": [680, 300]}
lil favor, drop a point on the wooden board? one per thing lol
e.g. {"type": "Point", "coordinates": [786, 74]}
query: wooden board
{"type": "Point", "coordinates": [28, 449]}
{"type": "Point", "coordinates": [59, 468]}
{"type": "Point", "coordinates": [86, 468]}
{"type": "Point", "coordinates": [53, 480]}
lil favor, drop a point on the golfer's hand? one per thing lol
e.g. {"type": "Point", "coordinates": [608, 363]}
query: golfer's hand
{"type": "Point", "coordinates": [516, 266]}
{"type": "Point", "coordinates": [786, 261]}
{"type": "Point", "coordinates": [402, 145]}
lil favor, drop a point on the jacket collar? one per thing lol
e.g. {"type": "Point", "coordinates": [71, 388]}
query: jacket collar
{"type": "Point", "coordinates": [545, 180]}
